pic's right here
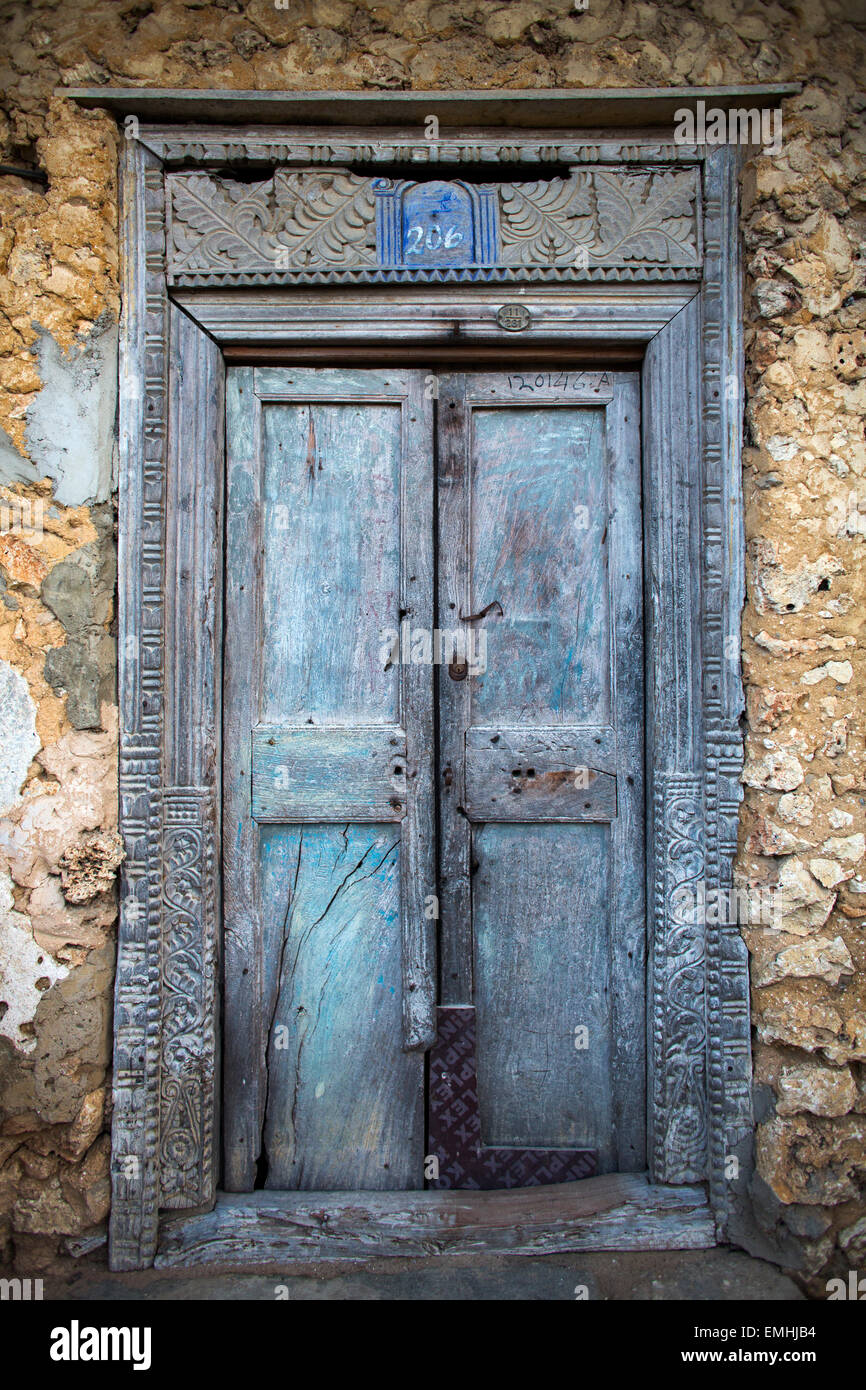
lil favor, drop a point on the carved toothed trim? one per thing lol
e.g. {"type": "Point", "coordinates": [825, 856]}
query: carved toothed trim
{"type": "Point", "coordinates": [206, 148]}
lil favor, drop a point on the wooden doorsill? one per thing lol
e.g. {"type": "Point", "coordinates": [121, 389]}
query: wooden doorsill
{"type": "Point", "coordinates": [619, 1211]}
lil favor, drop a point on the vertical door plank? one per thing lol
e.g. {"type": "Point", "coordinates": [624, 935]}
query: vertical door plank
{"type": "Point", "coordinates": [455, 934]}
{"type": "Point", "coordinates": [243, 1053]}
{"type": "Point", "coordinates": [543, 970]}
{"type": "Point", "coordinates": [627, 846]}
{"type": "Point", "coordinates": [418, 850]}
{"type": "Point", "coordinates": [331, 542]}
{"type": "Point", "coordinates": [537, 546]}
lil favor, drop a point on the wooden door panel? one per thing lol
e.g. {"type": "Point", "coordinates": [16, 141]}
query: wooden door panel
{"type": "Point", "coordinates": [331, 560]}
{"type": "Point", "coordinates": [329, 824]}
{"type": "Point", "coordinates": [542, 971]}
{"type": "Point", "coordinates": [304, 774]}
{"type": "Point", "coordinates": [538, 517]}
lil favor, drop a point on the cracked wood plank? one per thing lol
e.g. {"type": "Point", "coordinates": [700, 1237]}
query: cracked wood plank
{"type": "Point", "coordinates": [619, 1211]}
{"type": "Point", "coordinates": [344, 1101]}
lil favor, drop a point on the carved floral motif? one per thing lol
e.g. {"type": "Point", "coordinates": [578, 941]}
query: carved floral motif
{"type": "Point", "coordinates": [610, 217]}
{"type": "Point", "coordinates": [307, 219]}
{"type": "Point", "coordinates": [679, 1008]}
{"type": "Point", "coordinates": [546, 222]}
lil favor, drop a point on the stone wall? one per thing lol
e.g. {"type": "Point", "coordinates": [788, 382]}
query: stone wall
{"type": "Point", "coordinates": [803, 815]}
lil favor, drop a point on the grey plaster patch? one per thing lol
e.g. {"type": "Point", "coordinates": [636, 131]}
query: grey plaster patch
{"type": "Point", "coordinates": [70, 425]}
{"type": "Point", "coordinates": [19, 741]}
{"type": "Point", "coordinates": [73, 1044]}
{"type": "Point", "coordinates": [80, 593]}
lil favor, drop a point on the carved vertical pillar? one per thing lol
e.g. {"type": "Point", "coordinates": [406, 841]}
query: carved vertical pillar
{"type": "Point", "coordinates": [676, 845]}
{"type": "Point", "coordinates": [191, 762]}
{"type": "Point", "coordinates": [730, 1063]}
{"type": "Point", "coordinates": [678, 1023]}
{"type": "Point", "coordinates": [143, 417]}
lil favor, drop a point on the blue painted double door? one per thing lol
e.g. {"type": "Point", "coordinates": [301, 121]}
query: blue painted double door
{"type": "Point", "coordinates": [432, 766]}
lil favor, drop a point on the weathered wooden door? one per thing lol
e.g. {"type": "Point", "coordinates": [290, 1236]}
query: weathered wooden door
{"type": "Point", "coordinates": [542, 815]}
{"type": "Point", "coordinates": [329, 835]}
{"type": "Point", "coordinates": [336, 772]}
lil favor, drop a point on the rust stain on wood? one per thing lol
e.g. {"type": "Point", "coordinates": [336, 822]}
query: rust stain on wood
{"type": "Point", "coordinates": [476, 617]}
{"type": "Point", "coordinates": [311, 448]}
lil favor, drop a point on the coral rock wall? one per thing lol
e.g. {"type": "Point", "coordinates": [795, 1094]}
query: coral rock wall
{"type": "Point", "coordinates": [803, 817]}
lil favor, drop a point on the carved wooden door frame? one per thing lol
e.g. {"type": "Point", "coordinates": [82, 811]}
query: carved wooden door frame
{"type": "Point", "coordinates": [660, 275]}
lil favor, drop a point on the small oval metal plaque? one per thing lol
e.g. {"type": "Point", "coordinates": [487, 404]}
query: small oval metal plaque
{"type": "Point", "coordinates": [513, 317]}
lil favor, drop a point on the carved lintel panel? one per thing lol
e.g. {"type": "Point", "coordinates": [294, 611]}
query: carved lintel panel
{"type": "Point", "coordinates": [300, 219]}
{"type": "Point", "coordinates": [679, 1028]}
{"type": "Point", "coordinates": [188, 991]}
{"type": "Point", "coordinates": [602, 217]}
{"type": "Point", "coordinates": [306, 224]}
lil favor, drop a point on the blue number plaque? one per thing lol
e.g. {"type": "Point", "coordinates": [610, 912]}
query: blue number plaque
{"type": "Point", "coordinates": [436, 225]}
